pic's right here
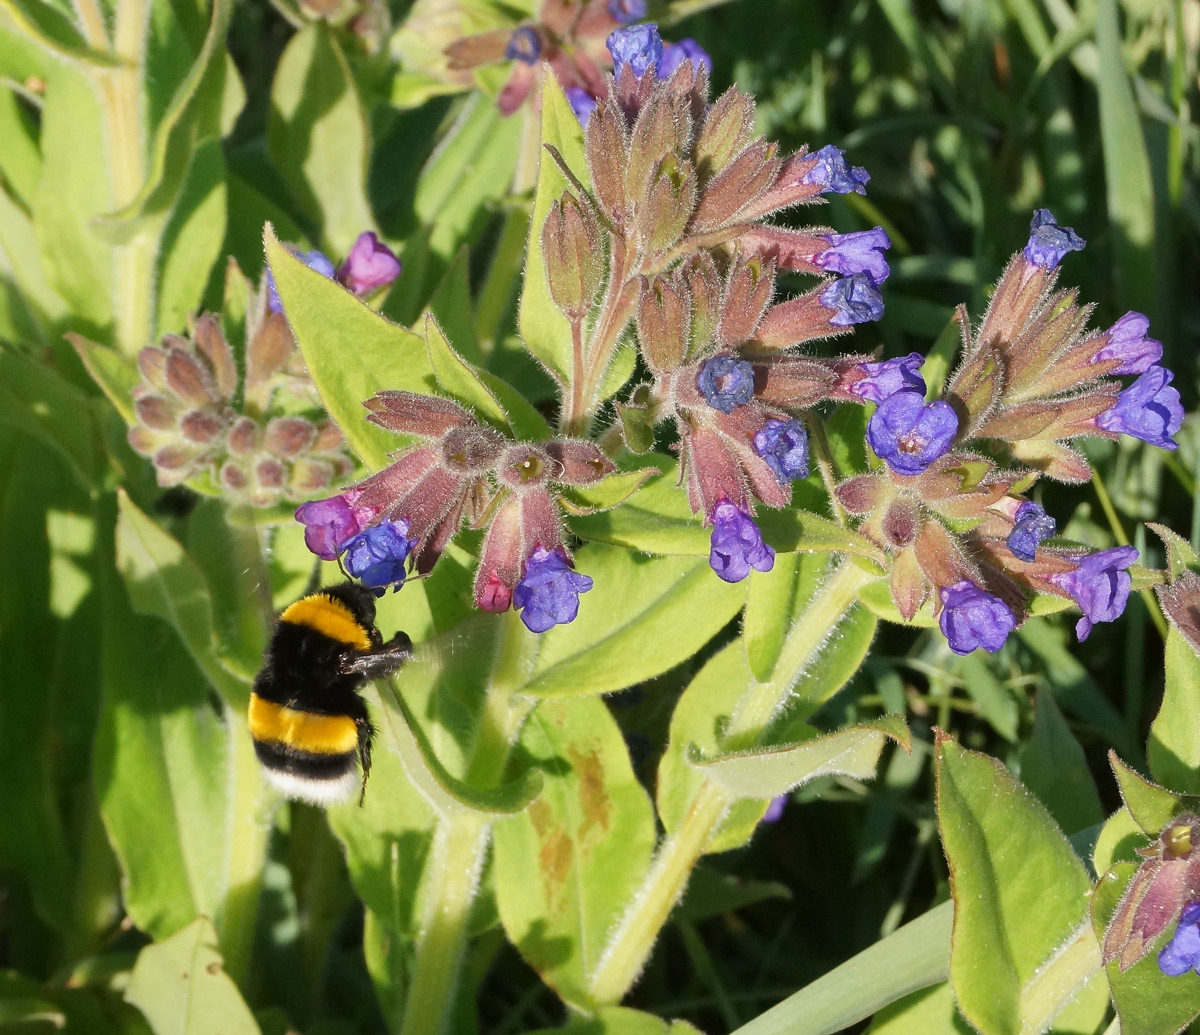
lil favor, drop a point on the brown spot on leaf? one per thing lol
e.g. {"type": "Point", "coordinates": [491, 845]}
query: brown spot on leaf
{"type": "Point", "coordinates": [593, 795]}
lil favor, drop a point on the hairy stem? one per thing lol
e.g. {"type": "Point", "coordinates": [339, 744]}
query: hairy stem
{"type": "Point", "coordinates": [600, 348]}
{"type": "Point", "coordinates": [633, 939]}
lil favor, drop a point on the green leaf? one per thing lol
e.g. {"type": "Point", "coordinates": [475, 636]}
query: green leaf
{"type": "Point", "coordinates": [771, 607]}
{"type": "Point", "coordinates": [1173, 748]}
{"type": "Point", "coordinates": [1152, 807]}
{"type": "Point", "coordinates": [769, 772]}
{"type": "Point", "coordinates": [930, 1011]}
{"type": "Point", "coordinates": [181, 987]}
{"type": "Point", "coordinates": [457, 379]}
{"type": "Point", "coordinates": [545, 330]}
{"type": "Point", "coordinates": [54, 32]}
{"type": "Point", "coordinates": [350, 350]}
{"type": "Point", "coordinates": [1022, 947]}
{"type": "Point", "coordinates": [568, 867]}
{"type": "Point", "coordinates": [113, 373]}
{"type": "Point", "coordinates": [643, 616]}
{"type": "Point", "coordinates": [620, 1020]}
{"type": "Point", "coordinates": [1147, 1000]}
{"type": "Point", "coordinates": [1053, 766]}
{"type": "Point", "coordinates": [318, 137]}
{"type": "Point", "coordinates": [996, 705]}
{"type": "Point", "coordinates": [711, 893]}
{"type": "Point", "coordinates": [1180, 555]}
{"type": "Point", "coordinates": [451, 305]}
{"type": "Point", "coordinates": [607, 493]}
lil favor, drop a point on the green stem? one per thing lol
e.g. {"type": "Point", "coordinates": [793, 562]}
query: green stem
{"type": "Point", "coordinates": [633, 939]}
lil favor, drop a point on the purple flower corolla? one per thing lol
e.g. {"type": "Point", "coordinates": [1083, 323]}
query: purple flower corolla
{"type": "Point", "coordinates": [377, 555]}
{"type": "Point", "coordinates": [1127, 342]}
{"type": "Point", "coordinates": [675, 54]}
{"type": "Point", "coordinates": [548, 594]}
{"type": "Point", "coordinates": [737, 544]}
{"type": "Point", "coordinates": [858, 252]}
{"type": "Point", "coordinates": [831, 173]}
{"type": "Point", "coordinates": [1031, 527]}
{"type": "Point", "coordinates": [890, 376]}
{"type": "Point", "coordinates": [784, 446]}
{"type": "Point", "coordinates": [1148, 409]}
{"type": "Point", "coordinates": [1049, 242]}
{"type": "Point", "coordinates": [972, 617]}
{"type": "Point", "coordinates": [726, 383]}
{"type": "Point", "coordinates": [369, 266]}
{"type": "Point", "coordinates": [582, 103]}
{"type": "Point", "coordinates": [523, 45]}
{"type": "Point", "coordinates": [908, 435]}
{"type": "Point", "coordinates": [314, 259]}
{"type": "Point", "coordinates": [775, 810]}
{"type": "Point", "coordinates": [638, 46]}
{"type": "Point", "coordinates": [329, 523]}
{"type": "Point", "coordinates": [627, 11]}
{"type": "Point", "coordinates": [1182, 952]}
{"type": "Point", "coordinates": [854, 299]}
{"type": "Point", "coordinates": [1100, 586]}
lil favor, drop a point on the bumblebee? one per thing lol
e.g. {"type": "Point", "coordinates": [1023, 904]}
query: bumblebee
{"type": "Point", "coordinates": [310, 726]}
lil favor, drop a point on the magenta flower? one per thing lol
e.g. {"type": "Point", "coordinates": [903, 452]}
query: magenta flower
{"type": "Point", "coordinates": [1100, 586]}
{"type": "Point", "coordinates": [329, 523]}
{"type": "Point", "coordinates": [369, 266]}
{"type": "Point", "coordinates": [972, 617]}
{"type": "Point", "coordinates": [737, 544]}
{"type": "Point", "coordinates": [548, 594]}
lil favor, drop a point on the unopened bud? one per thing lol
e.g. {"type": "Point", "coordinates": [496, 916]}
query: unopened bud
{"type": "Point", "coordinates": [201, 426]}
{"type": "Point", "coordinates": [727, 128]}
{"type": "Point", "coordinates": [211, 344]}
{"type": "Point", "coordinates": [663, 320]}
{"type": "Point", "coordinates": [608, 154]}
{"type": "Point", "coordinates": [189, 380]}
{"type": "Point", "coordinates": [288, 436]}
{"type": "Point", "coordinates": [574, 256]}
{"type": "Point", "coordinates": [244, 437]}
{"type": "Point", "coordinates": [155, 412]}
{"type": "Point", "coordinates": [731, 190]}
{"type": "Point", "coordinates": [748, 290]}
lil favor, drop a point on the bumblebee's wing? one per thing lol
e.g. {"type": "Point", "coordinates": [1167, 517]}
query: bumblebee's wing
{"type": "Point", "coordinates": [378, 664]}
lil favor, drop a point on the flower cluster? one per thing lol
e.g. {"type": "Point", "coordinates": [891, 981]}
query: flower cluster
{"type": "Point", "coordinates": [370, 265]}
{"type": "Point", "coordinates": [958, 527]}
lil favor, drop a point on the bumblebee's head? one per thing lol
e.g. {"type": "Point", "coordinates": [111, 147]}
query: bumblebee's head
{"type": "Point", "coordinates": [359, 599]}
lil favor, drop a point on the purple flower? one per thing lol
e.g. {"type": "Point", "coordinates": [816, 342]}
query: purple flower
{"type": "Point", "coordinates": [377, 554]}
{"type": "Point", "coordinates": [1031, 526]}
{"type": "Point", "coordinates": [582, 103]}
{"type": "Point", "coordinates": [859, 252]}
{"type": "Point", "coordinates": [1100, 586]}
{"type": "Point", "coordinates": [1148, 409]}
{"type": "Point", "coordinates": [675, 54]}
{"type": "Point", "coordinates": [784, 446]}
{"type": "Point", "coordinates": [909, 435]}
{"type": "Point", "coordinates": [831, 173]}
{"type": "Point", "coordinates": [1182, 952]}
{"type": "Point", "coordinates": [548, 595]}
{"type": "Point", "coordinates": [329, 523]}
{"type": "Point", "coordinates": [856, 299]}
{"type": "Point", "coordinates": [638, 46]}
{"type": "Point", "coordinates": [737, 544]}
{"type": "Point", "coordinates": [369, 266]}
{"type": "Point", "coordinates": [974, 618]}
{"type": "Point", "coordinates": [313, 259]}
{"type": "Point", "coordinates": [889, 377]}
{"type": "Point", "coordinates": [775, 809]}
{"type": "Point", "coordinates": [726, 383]}
{"type": "Point", "coordinates": [1049, 242]}
{"type": "Point", "coordinates": [627, 11]}
{"type": "Point", "coordinates": [523, 45]}
{"type": "Point", "coordinates": [1127, 342]}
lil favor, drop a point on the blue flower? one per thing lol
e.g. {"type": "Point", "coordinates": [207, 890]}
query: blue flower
{"type": "Point", "coordinates": [638, 46]}
{"type": "Point", "coordinates": [1148, 409]}
{"type": "Point", "coordinates": [377, 554]}
{"type": "Point", "coordinates": [314, 260]}
{"type": "Point", "coordinates": [675, 54]}
{"type": "Point", "coordinates": [908, 435]}
{"type": "Point", "coordinates": [1100, 586]}
{"type": "Point", "coordinates": [784, 446]}
{"type": "Point", "coordinates": [627, 11]}
{"type": "Point", "coordinates": [1127, 342]}
{"type": "Point", "coordinates": [859, 252]}
{"type": "Point", "coordinates": [726, 383]}
{"type": "Point", "coordinates": [775, 810]}
{"type": "Point", "coordinates": [973, 618]}
{"type": "Point", "coordinates": [1182, 952]}
{"type": "Point", "coordinates": [855, 299]}
{"type": "Point", "coordinates": [737, 544]}
{"type": "Point", "coordinates": [889, 377]}
{"type": "Point", "coordinates": [582, 103]}
{"type": "Point", "coordinates": [831, 173]}
{"type": "Point", "coordinates": [1049, 242]}
{"type": "Point", "coordinates": [1031, 526]}
{"type": "Point", "coordinates": [548, 594]}
{"type": "Point", "coordinates": [523, 45]}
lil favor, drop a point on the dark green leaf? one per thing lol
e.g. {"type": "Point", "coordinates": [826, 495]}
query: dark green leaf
{"type": "Point", "coordinates": [1053, 766]}
{"type": "Point", "coordinates": [1173, 749]}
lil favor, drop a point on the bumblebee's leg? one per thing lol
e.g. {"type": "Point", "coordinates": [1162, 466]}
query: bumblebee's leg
{"type": "Point", "coordinates": [366, 734]}
{"type": "Point", "coordinates": [383, 662]}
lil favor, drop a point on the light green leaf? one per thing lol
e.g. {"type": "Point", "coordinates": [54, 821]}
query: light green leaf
{"type": "Point", "coordinates": [1173, 748]}
{"type": "Point", "coordinates": [1152, 807]}
{"type": "Point", "coordinates": [996, 705]}
{"type": "Point", "coordinates": [181, 987]}
{"type": "Point", "coordinates": [642, 616]}
{"type": "Point", "coordinates": [771, 607]}
{"type": "Point", "coordinates": [930, 1011]}
{"type": "Point", "coordinates": [769, 772]}
{"type": "Point", "coordinates": [35, 310]}
{"type": "Point", "coordinates": [568, 867]}
{"type": "Point", "coordinates": [1022, 946]}
{"type": "Point", "coordinates": [620, 1020]}
{"type": "Point", "coordinates": [1180, 555]}
{"type": "Point", "coordinates": [1053, 766]}
{"type": "Point", "coordinates": [545, 330]}
{"type": "Point", "coordinates": [350, 350]}
{"type": "Point", "coordinates": [52, 31]}
{"type": "Point", "coordinates": [115, 374]}
{"type": "Point", "coordinates": [607, 493]}
{"type": "Point", "coordinates": [451, 305]}
{"type": "Point", "coordinates": [318, 136]}
{"type": "Point", "coordinates": [458, 380]}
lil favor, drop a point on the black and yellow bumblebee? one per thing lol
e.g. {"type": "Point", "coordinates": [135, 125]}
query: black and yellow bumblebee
{"type": "Point", "coordinates": [309, 723]}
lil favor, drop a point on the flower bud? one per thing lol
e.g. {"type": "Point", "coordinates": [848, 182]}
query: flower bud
{"type": "Point", "coordinates": [407, 413]}
{"type": "Point", "coordinates": [188, 378]}
{"type": "Point", "coordinates": [748, 290]}
{"type": "Point", "coordinates": [288, 436]}
{"type": "Point", "coordinates": [211, 344]}
{"type": "Point", "coordinates": [972, 617]}
{"type": "Point", "coordinates": [727, 128]}
{"type": "Point", "coordinates": [1049, 242]}
{"type": "Point", "coordinates": [369, 266]}
{"type": "Point", "coordinates": [735, 187]}
{"type": "Point", "coordinates": [663, 320]}
{"type": "Point", "coordinates": [201, 427]}
{"type": "Point", "coordinates": [607, 144]}
{"type": "Point", "coordinates": [638, 48]}
{"type": "Point", "coordinates": [244, 437]}
{"type": "Point", "coordinates": [574, 256]}
{"type": "Point", "coordinates": [155, 412]}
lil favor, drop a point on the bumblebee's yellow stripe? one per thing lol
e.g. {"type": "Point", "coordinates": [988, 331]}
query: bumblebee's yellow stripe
{"type": "Point", "coordinates": [305, 731]}
{"type": "Point", "coordinates": [330, 617]}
